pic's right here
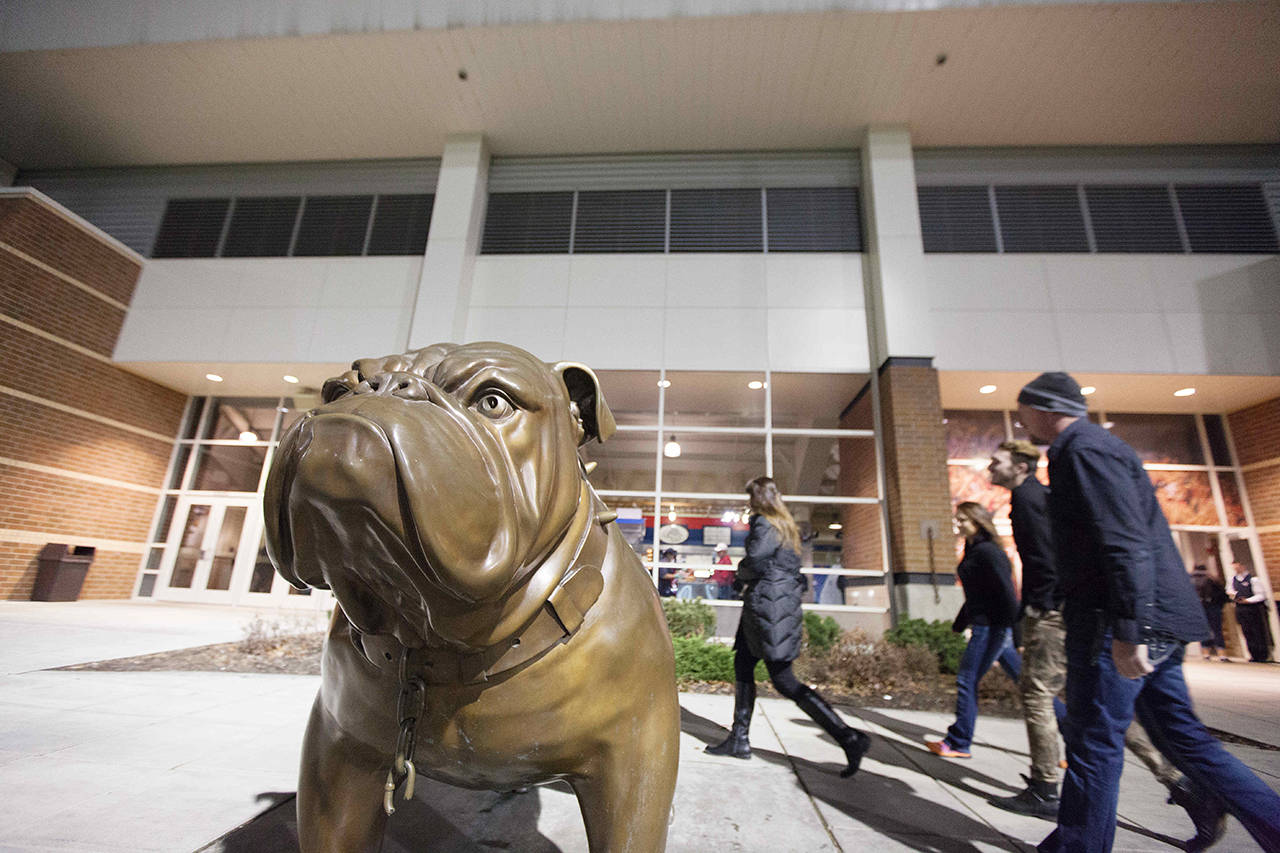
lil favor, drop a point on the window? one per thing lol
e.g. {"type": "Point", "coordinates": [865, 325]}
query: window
{"type": "Point", "coordinates": [261, 227]}
{"type": "Point", "coordinates": [527, 223]}
{"type": "Point", "coordinates": [191, 228]}
{"type": "Point", "coordinates": [956, 219]}
{"type": "Point", "coordinates": [814, 219]}
{"type": "Point", "coordinates": [716, 221]}
{"type": "Point", "coordinates": [620, 221]}
{"type": "Point", "coordinates": [1227, 218]}
{"type": "Point", "coordinates": [333, 225]}
{"type": "Point", "coordinates": [400, 225]}
{"type": "Point", "coordinates": [1133, 219]}
{"type": "Point", "coordinates": [1041, 219]}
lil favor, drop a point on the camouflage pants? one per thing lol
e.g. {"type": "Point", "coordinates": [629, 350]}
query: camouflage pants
{"type": "Point", "coordinates": [1044, 674]}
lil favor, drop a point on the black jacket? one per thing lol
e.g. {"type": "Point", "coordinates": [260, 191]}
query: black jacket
{"type": "Point", "coordinates": [1112, 543]}
{"type": "Point", "coordinates": [771, 624]}
{"type": "Point", "coordinates": [987, 578]}
{"type": "Point", "coordinates": [1029, 514]}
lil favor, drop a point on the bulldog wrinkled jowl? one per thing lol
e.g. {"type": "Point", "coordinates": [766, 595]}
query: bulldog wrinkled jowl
{"type": "Point", "coordinates": [493, 630]}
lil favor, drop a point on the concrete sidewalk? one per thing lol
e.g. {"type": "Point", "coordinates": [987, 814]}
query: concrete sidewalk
{"type": "Point", "coordinates": [177, 761]}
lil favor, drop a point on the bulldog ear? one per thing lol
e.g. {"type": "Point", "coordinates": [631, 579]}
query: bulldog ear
{"type": "Point", "coordinates": [584, 389]}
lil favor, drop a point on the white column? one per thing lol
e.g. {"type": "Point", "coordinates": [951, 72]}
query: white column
{"type": "Point", "coordinates": [444, 286]}
{"type": "Point", "coordinates": [898, 320]}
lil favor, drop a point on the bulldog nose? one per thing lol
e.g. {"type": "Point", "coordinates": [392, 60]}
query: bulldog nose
{"type": "Point", "coordinates": [408, 386]}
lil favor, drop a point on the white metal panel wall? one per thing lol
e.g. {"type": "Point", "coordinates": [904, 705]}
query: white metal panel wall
{"type": "Point", "coordinates": [1185, 164]}
{"type": "Point", "coordinates": [1196, 314]}
{"type": "Point", "coordinates": [129, 203]}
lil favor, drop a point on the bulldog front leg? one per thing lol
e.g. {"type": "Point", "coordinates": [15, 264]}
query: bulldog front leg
{"type": "Point", "coordinates": [340, 789]}
{"type": "Point", "coordinates": [626, 798]}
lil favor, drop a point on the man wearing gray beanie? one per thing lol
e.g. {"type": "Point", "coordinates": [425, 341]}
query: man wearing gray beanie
{"type": "Point", "coordinates": [1129, 609]}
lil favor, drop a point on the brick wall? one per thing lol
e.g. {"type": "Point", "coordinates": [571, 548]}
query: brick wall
{"type": "Point", "coordinates": [83, 444]}
{"type": "Point", "coordinates": [860, 537]}
{"type": "Point", "coordinates": [916, 486]}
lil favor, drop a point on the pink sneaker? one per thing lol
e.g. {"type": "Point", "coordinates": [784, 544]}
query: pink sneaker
{"type": "Point", "coordinates": [943, 749]}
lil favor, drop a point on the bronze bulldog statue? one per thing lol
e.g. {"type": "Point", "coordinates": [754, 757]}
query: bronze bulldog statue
{"type": "Point", "coordinates": [494, 630]}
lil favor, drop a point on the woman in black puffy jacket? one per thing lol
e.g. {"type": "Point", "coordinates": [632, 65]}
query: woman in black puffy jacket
{"type": "Point", "coordinates": [771, 627]}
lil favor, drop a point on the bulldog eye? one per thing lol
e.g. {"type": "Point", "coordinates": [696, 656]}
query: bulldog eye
{"type": "Point", "coordinates": [494, 405]}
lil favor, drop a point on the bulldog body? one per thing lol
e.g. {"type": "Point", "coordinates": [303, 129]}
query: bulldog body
{"type": "Point", "coordinates": [482, 593]}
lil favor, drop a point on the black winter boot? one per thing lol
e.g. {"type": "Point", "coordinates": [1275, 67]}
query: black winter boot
{"type": "Point", "coordinates": [1039, 799]}
{"type": "Point", "coordinates": [744, 702]}
{"type": "Point", "coordinates": [1207, 813]}
{"type": "Point", "coordinates": [854, 743]}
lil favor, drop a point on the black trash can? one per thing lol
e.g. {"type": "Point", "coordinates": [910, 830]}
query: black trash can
{"type": "Point", "coordinates": [61, 572]}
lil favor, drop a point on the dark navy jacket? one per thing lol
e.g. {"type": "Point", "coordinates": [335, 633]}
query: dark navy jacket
{"type": "Point", "coordinates": [1029, 514]}
{"type": "Point", "coordinates": [1113, 547]}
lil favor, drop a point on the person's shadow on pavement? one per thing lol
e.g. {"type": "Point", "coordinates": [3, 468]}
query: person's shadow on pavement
{"type": "Point", "coordinates": [882, 803]}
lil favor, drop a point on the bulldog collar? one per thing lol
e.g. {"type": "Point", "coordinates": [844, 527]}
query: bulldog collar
{"type": "Point", "coordinates": [559, 617]}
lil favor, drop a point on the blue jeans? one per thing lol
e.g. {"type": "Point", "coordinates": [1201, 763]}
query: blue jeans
{"type": "Point", "coordinates": [987, 645]}
{"type": "Point", "coordinates": [1100, 703]}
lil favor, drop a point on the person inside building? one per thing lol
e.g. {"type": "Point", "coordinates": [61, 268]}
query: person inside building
{"type": "Point", "coordinates": [1251, 612]}
{"type": "Point", "coordinates": [721, 583]}
{"type": "Point", "coordinates": [1044, 664]}
{"type": "Point", "coordinates": [770, 628]}
{"type": "Point", "coordinates": [667, 574]}
{"type": "Point", "coordinates": [1129, 609]}
{"type": "Point", "coordinates": [989, 611]}
{"type": "Point", "coordinates": [1213, 597]}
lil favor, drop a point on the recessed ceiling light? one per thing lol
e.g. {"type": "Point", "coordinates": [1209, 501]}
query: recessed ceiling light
{"type": "Point", "coordinates": [987, 389]}
{"type": "Point", "coordinates": [1088, 389]}
{"type": "Point", "coordinates": [248, 436]}
{"type": "Point", "coordinates": [664, 383]}
{"type": "Point", "coordinates": [755, 384]}
{"type": "Point", "coordinates": [1108, 424]}
{"type": "Point", "coordinates": [1184, 392]}
{"type": "Point", "coordinates": [835, 525]}
{"type": "Point", "coordinates": [213, 377]}
{"type": "Point", "coordinates": [290, 378]}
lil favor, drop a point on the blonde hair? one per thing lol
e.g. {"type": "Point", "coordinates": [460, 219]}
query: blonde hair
{"type": "Point", "coordinates": [765, 500]}
{"type": "Point", "coordinates": [1021, 450]}
{"type": "Point", "coordinates": [979, 515]}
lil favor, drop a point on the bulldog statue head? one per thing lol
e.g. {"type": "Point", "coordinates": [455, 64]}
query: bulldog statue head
{"type": "Point", "coordinates": [435, 491]}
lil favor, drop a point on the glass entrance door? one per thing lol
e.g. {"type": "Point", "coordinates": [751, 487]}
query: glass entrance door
{"type": "Point", "coordinates": [209, 552]}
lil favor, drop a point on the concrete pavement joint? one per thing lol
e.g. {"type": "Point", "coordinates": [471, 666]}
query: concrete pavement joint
{"type": "Point", "coordinates": [809, 794]}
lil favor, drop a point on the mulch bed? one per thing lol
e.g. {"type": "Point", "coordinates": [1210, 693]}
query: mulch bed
{"type": "Point", "coordinates": [300, 655]}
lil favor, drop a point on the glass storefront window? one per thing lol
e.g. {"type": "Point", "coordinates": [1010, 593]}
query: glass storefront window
{"type": "Point", "coordinates": [1160, 438]}
{"type": "Point", "coordinates": [1217, 436]}
{"type": "Point", "coordinates": [632, 395]}
{"type": "Point", "coordinates": [161, 533]}
{"type": "Point", "coordinates": [228, 468]}
{"type": "Point", "coordinates": [713, 462]}
{"type": "Point", "coordinates": [1185, 496]}
{"type": "Point", "coordinates": [714, 399]}
{"type": "Point", "coordinates": [264, 574]}
{"type": "Point", "coordinates": [1231, 501]}
{"type": "Point", "coordinates": [825, 465]}
{"type": "Point", "coordinates": [814, 400]}
{"type": "Point", "coordinates": [233, 416]}
{"type": "Point", "coordinates": [973, 434]}
{"type": "Point", "coordinates": [970, 482]}
{"type": "Point", "coordinates": [626, 462]}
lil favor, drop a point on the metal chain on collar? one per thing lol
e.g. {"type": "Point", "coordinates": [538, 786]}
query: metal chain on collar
{"type": "Point", "coordinates": [409, 709]}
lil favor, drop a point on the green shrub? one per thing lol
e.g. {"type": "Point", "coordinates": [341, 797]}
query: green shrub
{"type": "Point", "coordinates": [700, 659]}
{"type": "Point", "coordinates": [689, 617]}
{"type": "Point", "coordinates": [820, 632]}
{"type": "Point", "coordinates": [936, 636]}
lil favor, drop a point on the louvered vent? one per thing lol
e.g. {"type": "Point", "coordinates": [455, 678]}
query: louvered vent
{"type": "Point", "coordinates": [956, 219]}
{"type": "Point", "coordinates": [527, 223]}
{"type": "Point", "coordinates": [1133, 219]}
{"type": "Point", "coordinates": [620, 221]}
{"type": "Point", "coordinates": [1041, 219]}
{"type": "Point", "coordinates": [727, 220]}
{"type": "Point", "coordinates": [333, 225]}
{"type": "Point", "coordinates": [1227, 218]}
{"type": "Point", "coordinates": [813, 219]}
{"type": "Point", "coordinates": [400, 225]}
{"type": "Point", "coordinates": [261, 227]}
{"type": "Point", "coordinates": [191, 228]}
